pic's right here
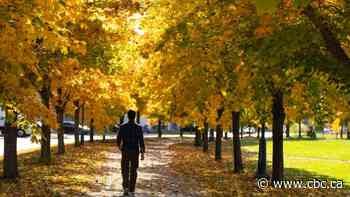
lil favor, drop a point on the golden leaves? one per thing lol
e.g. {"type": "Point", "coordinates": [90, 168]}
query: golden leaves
{"type": "Point", "coordinates": [72, 174]}
{"type": "Point", "coordinates": [265, 28]}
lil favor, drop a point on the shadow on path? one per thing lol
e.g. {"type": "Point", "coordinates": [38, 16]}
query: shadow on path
{"type": "Point", "coordinates": [155, 177]}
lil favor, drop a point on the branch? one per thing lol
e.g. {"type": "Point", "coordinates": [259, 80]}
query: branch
{"type": "Point", "coordinates": [332, 43]}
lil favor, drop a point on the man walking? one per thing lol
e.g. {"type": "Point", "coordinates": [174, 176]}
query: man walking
{"type": "Point", "coordinates": [130, 141]}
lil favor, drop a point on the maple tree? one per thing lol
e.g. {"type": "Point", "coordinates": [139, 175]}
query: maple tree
{"type": "Point", "coordinates": [218, 64]}
{"type": "Point", "coordinates": [269, 44]}
{"type": "Point", "coordinates": [49, 59]}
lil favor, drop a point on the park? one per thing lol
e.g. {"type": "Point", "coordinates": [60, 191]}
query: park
{"type": "Point", "coordinates": [221, 97]}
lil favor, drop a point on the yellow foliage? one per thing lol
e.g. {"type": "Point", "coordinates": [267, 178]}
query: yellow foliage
{"type": "Point", "coordinates": [336, 125]}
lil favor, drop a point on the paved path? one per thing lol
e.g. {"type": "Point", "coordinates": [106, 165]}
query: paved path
{"type": "Point", "coordinates": [24, 144]}
{"type": "Point", "coordinates": [155, 178]}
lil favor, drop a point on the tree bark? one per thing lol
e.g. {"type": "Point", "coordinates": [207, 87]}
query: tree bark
{"type": "Point", "coordinates": [218, 142]}
{"type": "Point", "coordinates": [92, 130]}
{"type": "Point", "coordinates": [226, 135]}
{"type": "Point", "coordinates": [332, 42]}
{"type": "Point", "coordinates": [211, 135]}
{"type": "Point", "coordinates": [299, 129]}
{"type": "Point", "coordinates": [341, 130]}
{"type": "Point", "coordinates": [159, 128]}
{"type": "Point", "coordinates": [218, 139]}
{"type": "Point", "coordinates": [10, 166]}
{"type": "Point", "coordinates": [277, 135]}
{"type": "Point", "coordinates": [205, 138]}
{"type": "Point", "coordinates": [82, 132]}
{"type": "Point", "coordinates": [45, 154]}
{"type": "Point", "coordinates": [197, 139]}
{"type": "Point", "coordinates": [249, 130]}
{"type": "Point", "coordinates": [104, 134]}
{"type": "Point", "coordinates": [347, 129]}
{"type": "Point", "coordinates": [60, 131]}
{"type": "Point", "coordinates": [258, 132]}
{"type": "Point", "coordinates": [138, 117]}
{"type": "Point", "coordinates": [288, 129]}
{"type": "Point", "coordinates": [237, 153]}
{"type": "Point", "coordinates": [261, 171]}
{"type": "Point", "coordinates": [76, 123]}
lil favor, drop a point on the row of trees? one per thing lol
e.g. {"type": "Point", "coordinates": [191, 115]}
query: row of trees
{"type": "Point", "coordinates": [61, 57]}
{"type": "Point", "coordinates": [215, 61]}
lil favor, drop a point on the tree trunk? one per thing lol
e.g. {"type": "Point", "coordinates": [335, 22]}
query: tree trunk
{"type": "Point", "coordinates": [249, 130]}
{"type": "Point", "coordinates": [10, 165]}
{"type": "Point", "coordinates": [277, 135]}
{"type": "Point", "coordinates": [92, 130]}
{"type": "Point", "coordinates": [205, 137]}
{"type": "Point", "coordinates": [82, 132]}
{"type": "Point", "coordinates": [104, 134]}
{"type": "Point", "coordinates": [258, 132]}
{"type": "Point", "coordinates": [237, 153]}
{"type": "Point", "coordinates": [261, 171]}
{"type": "Point", "coordinates": [347, 129]}
{"type": "Point", "coordinates": [299, 129]}
{"type": "Point", "coordinates": [211, 135]}
{"type": "Point", "coordinates": [45, 140]}
{"type": "Point", "coordinates": [138, 116]}
{"type": "Point", "coordinates": [159, 128]}
{"type": "Point", "coordinates": [218, 142]}
{"type": "Point", "coordinates": [226, 135]}
{"type": "Point", "coordinates": [288, 129]}
{"type": "Point", "coordinates": [218, 139]}
{"type": "Point", "coordinates": [333, 44]}
{"type": "Point", "coordinates": [60, 131]}
{"type": "Point", "coordinates": [341, 130]}
{"type": "Point", "coordinates": [197, 139]}
{"type": "Point", "coordinates": [76, 123]}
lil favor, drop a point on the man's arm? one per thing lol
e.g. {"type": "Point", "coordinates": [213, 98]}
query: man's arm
{"type": "Point", "coordinates": [142, 143]}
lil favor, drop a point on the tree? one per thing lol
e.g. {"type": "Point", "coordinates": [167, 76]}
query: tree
{"type": "Point", "coordinates": [237, 155]}
{"type": "Point", "coordinates": [10, 145]}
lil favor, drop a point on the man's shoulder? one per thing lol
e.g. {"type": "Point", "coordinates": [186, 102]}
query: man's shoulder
{"type": "Point", "coordinates": [128, 125]}
{"type": "Point", "coordinates": [123, 126]}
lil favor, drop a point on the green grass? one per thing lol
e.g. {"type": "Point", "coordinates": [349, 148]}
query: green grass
{"type": "Point", "coordinates": [322, 158]}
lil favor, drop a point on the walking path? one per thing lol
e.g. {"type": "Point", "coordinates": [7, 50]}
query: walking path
{"type": "Point", "coordinates": [155, 178]}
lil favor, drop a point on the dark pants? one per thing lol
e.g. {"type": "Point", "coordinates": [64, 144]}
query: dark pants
{"type": "Point", "coordinates": [129, 163]}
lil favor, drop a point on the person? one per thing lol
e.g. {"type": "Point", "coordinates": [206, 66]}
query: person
{"type": "Point", "coordinates": [131, 143]}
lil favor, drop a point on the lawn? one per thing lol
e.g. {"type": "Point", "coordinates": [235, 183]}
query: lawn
{"type": "Point", "coordinates": [322, 158]}
{"type": "Point", "coordinates": [303, 160]}
{"type": "Point", "coordinates": [74, 174]}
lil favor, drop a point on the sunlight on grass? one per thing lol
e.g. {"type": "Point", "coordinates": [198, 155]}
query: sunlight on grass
{"type": "Point", "coordinates": [327, 157]}
{"type": "Point", "coordinates": [216, 178]}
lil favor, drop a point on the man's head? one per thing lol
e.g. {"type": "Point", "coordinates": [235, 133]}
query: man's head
{"type": "Point", "coordinates": [131, 115]}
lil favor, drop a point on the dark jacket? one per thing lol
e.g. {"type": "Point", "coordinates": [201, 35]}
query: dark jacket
{"type": "Point", "coordinates": [131, 137]}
